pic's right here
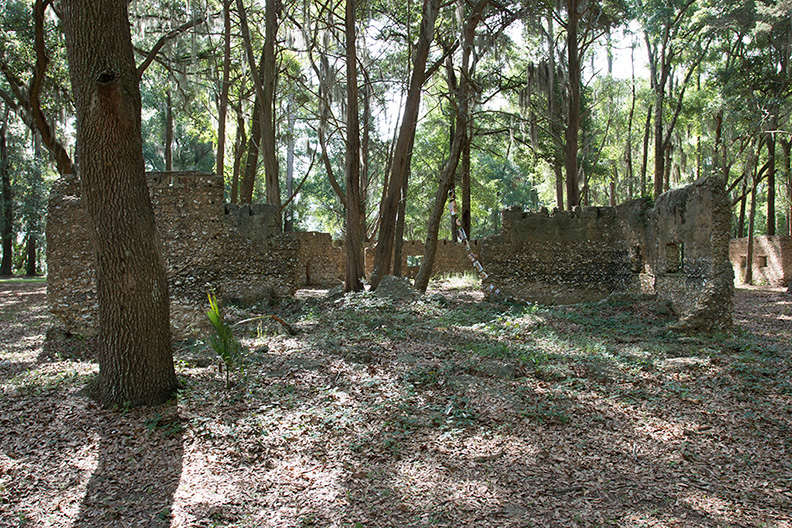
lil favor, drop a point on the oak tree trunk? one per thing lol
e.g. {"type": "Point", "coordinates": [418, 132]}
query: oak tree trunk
{"type": "Point", "coordinates": [135, 357]}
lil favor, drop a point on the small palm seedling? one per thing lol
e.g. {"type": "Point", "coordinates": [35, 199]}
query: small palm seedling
{"type": "Point", "coordinates": [223, 341]}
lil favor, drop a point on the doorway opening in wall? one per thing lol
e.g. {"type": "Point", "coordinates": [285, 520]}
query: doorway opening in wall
{"type": "Point", "coordinates": [675, 257]}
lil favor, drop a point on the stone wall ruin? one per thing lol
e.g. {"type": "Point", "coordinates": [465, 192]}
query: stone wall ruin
{"type": "Point", "coordinates": [772, 259]}
{"type": "Point", "coordinates": [677, 250]}
{"type": "Point", "coordinates": [237, 252]}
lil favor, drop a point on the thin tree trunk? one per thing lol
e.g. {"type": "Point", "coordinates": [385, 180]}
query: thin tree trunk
{"type": "Point", "coordinates": [135, 358]}
{"type": "Point", "coordinates": [645, 157]}
{"type": "Point", "coordinates": [398, 244]}
{"type": "Point", "coordinates": [573, 115]}
{"type": "Point", "coordinates": [741, 215]}
{"type": "Point", "coordinates": [168, 131]}
{"type": "Point", "coordinates": [463, 97]}
{"type": "Point", "coordinates": [251, 163]}
{"type": "Point", "coordinates": [288, 223]}
{"type": "Point", "coordinates": [387, 230]}
{"type": "Point", "coordinates": [464, 214]}
{"type": "Point", "coordinates": [7, 232]}
{"type": "Point", "coordinates": [433, 227]}
{"type": "Point", "coordinates": [771, 184]}
{"type": "Point", "coordinates": [749, 256]}
{"type": "Point", "coordinates": [786, 145]}
{"type": "Point", "coordinates": [559, 180]}
{"type": "Point", "coordinates": [224, 86]}
{"type": "Point", "coordinates": [613, 180]}
{"type": "Point", "coordinates": [268, 79]}
{"type": "Point", "coordinates": [35, 186]}
{"type": "Point", "coordinates": [354, 234]}
{"type": "Point", "coordinates": [239, 151]}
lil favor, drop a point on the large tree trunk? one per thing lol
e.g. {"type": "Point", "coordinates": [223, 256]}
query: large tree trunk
{"type": "Point", "coordinates": [7, 232]}
{"type": "Point", "coordinates": [354, 233]}
{"type": "Point", "coordinates": [135, 358]}
{"type": "Point", "coordinates": [390, 206]}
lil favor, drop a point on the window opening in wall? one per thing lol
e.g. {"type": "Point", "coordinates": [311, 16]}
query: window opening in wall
{"type": "Point", "coordinates": [762, 261]}
{"type": "Point", "coordinates": [743, 261]}
{"type": "Point", "coordinates": [675, 257]}
{"type": "Point", "coordinates": [636, 259]}
{"type": "Point", "coordinates": [414, 261]}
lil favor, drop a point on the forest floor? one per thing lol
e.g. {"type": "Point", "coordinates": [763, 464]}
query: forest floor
{"type": "Point", "coordinates": [443, 410]}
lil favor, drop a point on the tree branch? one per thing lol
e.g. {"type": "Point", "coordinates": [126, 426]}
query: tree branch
{"type": "Point", "coordinates": [163, 40]}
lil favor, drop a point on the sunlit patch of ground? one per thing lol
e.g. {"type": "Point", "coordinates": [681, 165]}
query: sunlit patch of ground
{"type": "Point", "coordinates": [443, 411]}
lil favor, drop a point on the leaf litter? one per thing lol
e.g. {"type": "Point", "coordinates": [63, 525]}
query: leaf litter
{"type": "Point", "coordinates": [441, 410]}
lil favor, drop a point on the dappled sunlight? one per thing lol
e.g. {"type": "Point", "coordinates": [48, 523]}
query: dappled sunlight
{"type": "Point", "coordinates": [393, 413]}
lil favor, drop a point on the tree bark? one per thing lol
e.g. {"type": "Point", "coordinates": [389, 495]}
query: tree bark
{"type": "Point", "coordinates": [786, 145]}
{"type": "Point", "coordinates": [573, 115]}
{"type": "Point", "coordinates": [288, 221]}
{"type": "Point", "coordinates": [254, 142]}
{"type": "Point", "coordinates": [168, 131]}
{"type": "Point", "coordinates": [222, 110]}
{"type": "Point", "coordinates": [390, 206]}
{"type": "Point", "coordinates": [645, 158]}
{"type": "Point", "coordinates": [749, 257]}
{"type": "Point", "coordinates": [7, 232]}
{"type": "Point", "coordinates": [268, 79]}
{"type": "Point", "coordinates": [398, 243]}
{"type": "Point", "coordinates": [135, 357]}
{"type": "Point", "coordinates": [464, 213]}
{"type": "Point", "coordinates": [239, 152]}
{"type": "Point", "coordinates": [354, 234]}
{"type": "Point", "coordinates": [771, 184]}
{"type": "Point", "coordinates": [463, 95]}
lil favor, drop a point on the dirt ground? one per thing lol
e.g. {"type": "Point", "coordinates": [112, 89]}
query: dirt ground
{"type": "Point", "coordinates": [441, 411]}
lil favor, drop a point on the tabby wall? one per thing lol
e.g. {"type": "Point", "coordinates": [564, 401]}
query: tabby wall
{"type": "Point", "coordinates": [237, 252]}
{"type": "Point", "coordinates": [772, 259]}
{"type": "Point", "coordinates": [678, 250]}
{"type": "Point", "coordinates": [322, 259]}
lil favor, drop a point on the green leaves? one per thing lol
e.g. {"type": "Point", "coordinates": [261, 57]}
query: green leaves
{"type": "Point", "coordinates": [223, 341]}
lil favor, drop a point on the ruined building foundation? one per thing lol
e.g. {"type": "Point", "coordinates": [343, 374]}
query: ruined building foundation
{"type": "Point", "coordinates": [236, 252]}
{"type": "Point", "coordinates": [677, 250]}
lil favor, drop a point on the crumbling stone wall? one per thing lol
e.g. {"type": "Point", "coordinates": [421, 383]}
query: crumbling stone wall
{"type": "Point", "coordinates": [237, 252]}
{"type": "Point", "coordinates": [451, 257]}
{"type": "Point", "coordinates": [677, 249]}
{"type": "Point", "coordinates": [772, 259]}
{"type": "Point", "coordinates": [321, 259]}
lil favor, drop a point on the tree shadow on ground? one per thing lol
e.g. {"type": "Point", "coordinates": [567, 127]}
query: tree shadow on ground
{"type": "Point", "coordinates": [138, 470]}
